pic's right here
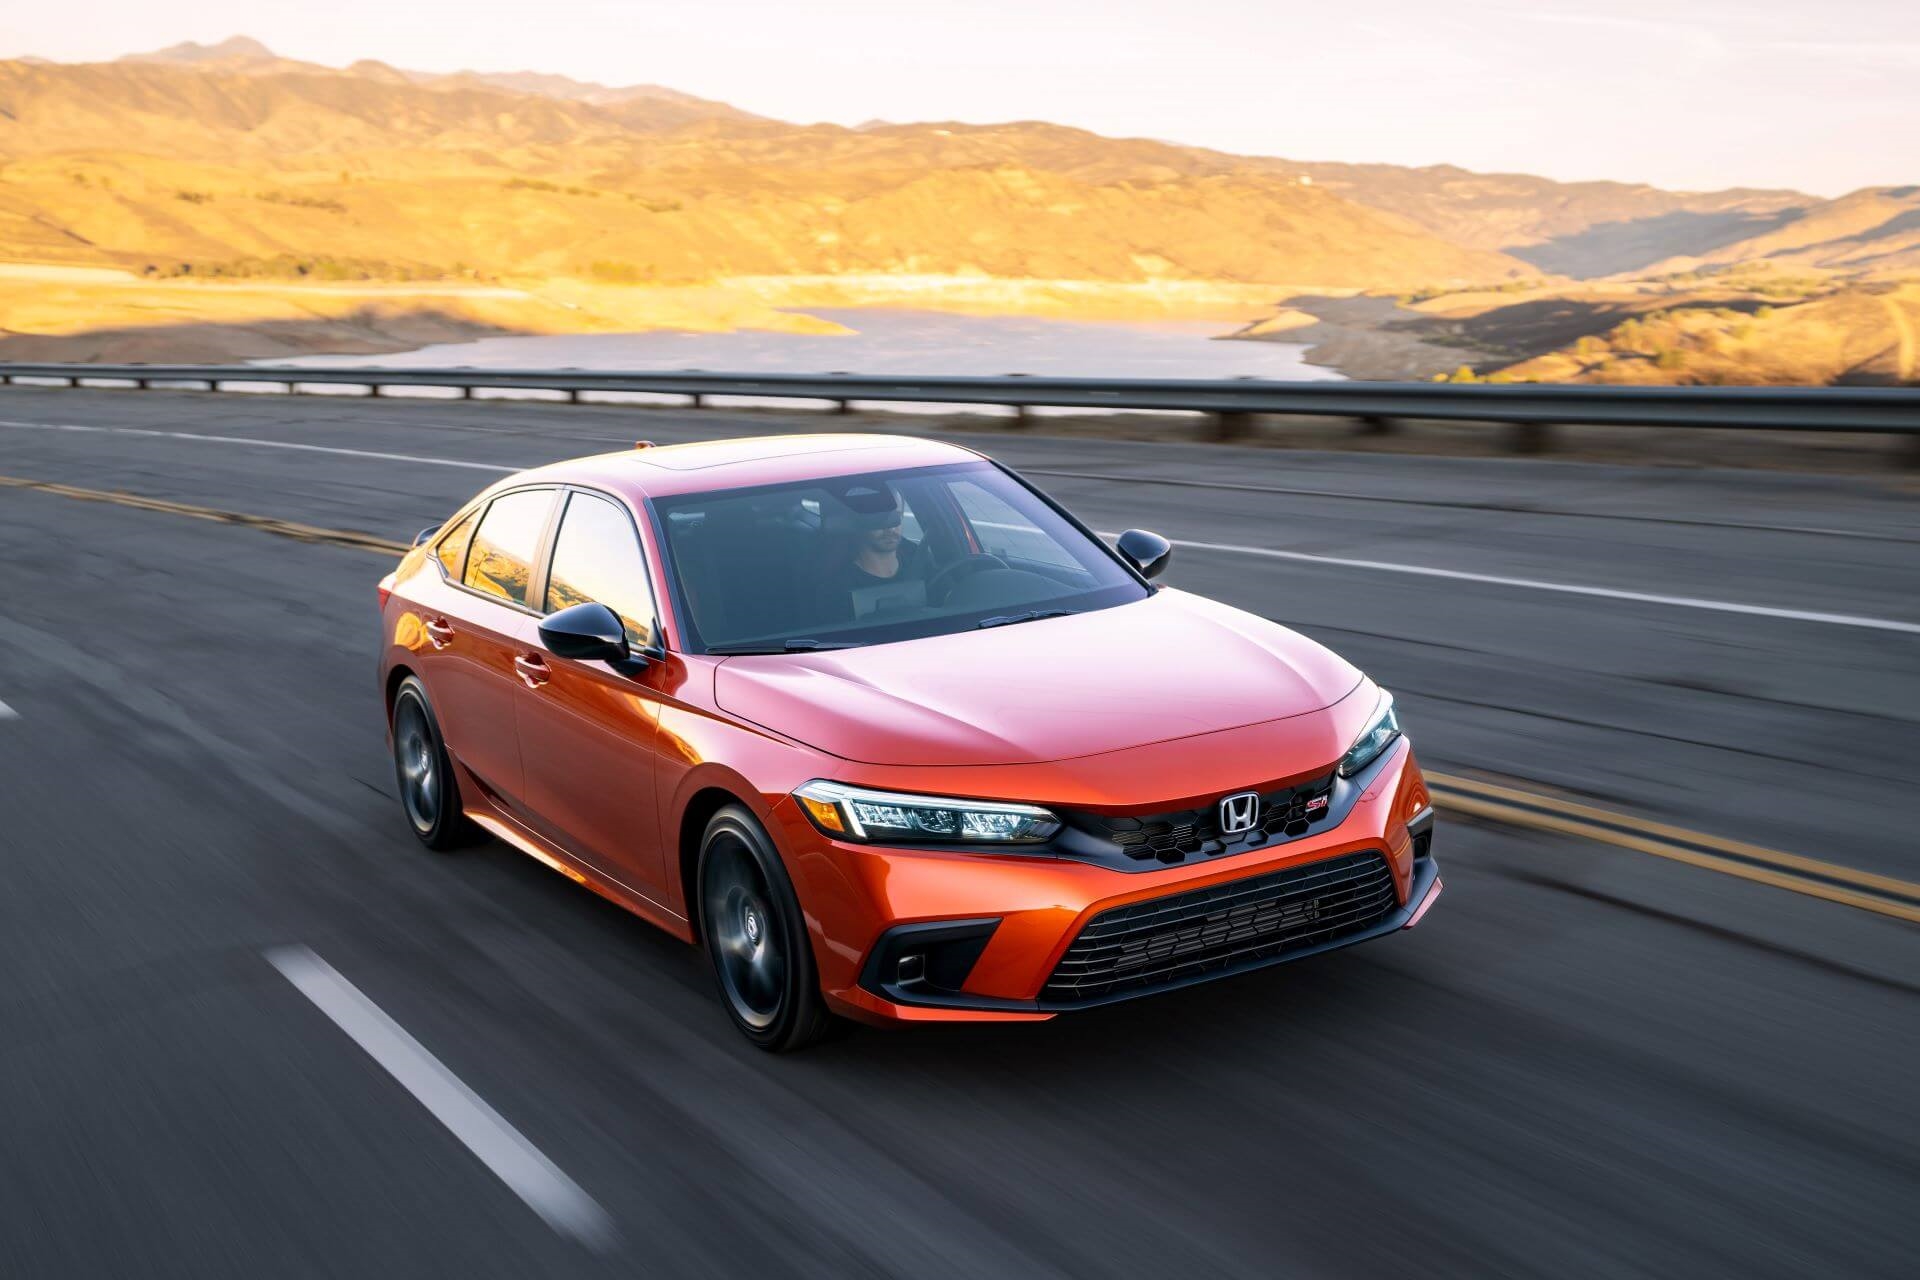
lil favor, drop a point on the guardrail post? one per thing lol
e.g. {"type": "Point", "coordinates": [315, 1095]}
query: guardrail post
{"type": "Point", "coordinates": [573, 395]}
{"type": "Point", "coordinates": [696, 401]}
{"type": "Point", "coordinates": [1022, 417]}
{"type": "Point", "coordinates": [1529, 437]}
{"type": "Point", "coordinates": [1232, 425]}
{"type": "Point", "coordinates": [466, 393]}
{"type": "Point", "coordinates": [376, 390]}
{"type": "Point", "coordinates": [1375, 425]}
{"type": "Point", "coordinates": [1910, 453]}
{"type": "Point", "coordinates": [843, 406]}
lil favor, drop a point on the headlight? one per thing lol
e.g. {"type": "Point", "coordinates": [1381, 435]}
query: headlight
{"type": "Point", "coordinates": [1379, 734]}
{"type": "Point", "coordinates": [880, 817]}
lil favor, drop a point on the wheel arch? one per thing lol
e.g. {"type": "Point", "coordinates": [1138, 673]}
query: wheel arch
{"type": "Point", "coordinates": [707, 790]}
{"type": "Point", "coordinates": [399, 673]}
{"type": "Point", "coordinates": [700, 808]}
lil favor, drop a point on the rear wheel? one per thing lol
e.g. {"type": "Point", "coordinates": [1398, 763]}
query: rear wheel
{"type": "Point", "coordinates": [428, 793]}
{"type": "Point", "coordinates": [756, 937]}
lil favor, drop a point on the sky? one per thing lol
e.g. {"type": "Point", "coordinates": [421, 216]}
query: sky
{"type": "Point", "coordinates": [1685, 94]}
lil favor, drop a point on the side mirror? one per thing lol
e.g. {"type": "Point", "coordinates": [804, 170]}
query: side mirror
{"type": "Point", "coordinates": [425, 536]}
{"type": "Point", "coordinates": [590, 632]}
{"type": "Point", "coordinates": [1148, 553]}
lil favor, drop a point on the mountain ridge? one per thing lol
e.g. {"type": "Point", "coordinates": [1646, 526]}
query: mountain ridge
{"type": "Point", "coordinates": [247, 56]}
{"type": "Point", "coordinates": [1579, 229]}
{"type": "Point", "coordinates": [192, 167]}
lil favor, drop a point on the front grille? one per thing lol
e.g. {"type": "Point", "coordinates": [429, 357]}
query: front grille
{"type": "Point", "coordinates": [1164, 940]}
{"type": "Point", "coordinates": [1186, 833]}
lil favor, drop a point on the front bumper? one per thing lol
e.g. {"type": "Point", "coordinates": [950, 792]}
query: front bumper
{"type": "Point", "coordinates": [989, 930]}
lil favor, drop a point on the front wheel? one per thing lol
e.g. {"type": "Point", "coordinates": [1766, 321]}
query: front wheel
{"type": "Point", "coordinates": [756, 937]}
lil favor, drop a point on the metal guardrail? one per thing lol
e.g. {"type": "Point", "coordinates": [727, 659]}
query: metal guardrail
{"type": "Point", "coordinates": [1232, 403]}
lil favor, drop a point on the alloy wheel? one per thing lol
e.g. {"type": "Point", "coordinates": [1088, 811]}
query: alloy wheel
{"type": "Point", "coordinates": [415, 756]}
{"type": "Point", "coordinates": [749, 943]}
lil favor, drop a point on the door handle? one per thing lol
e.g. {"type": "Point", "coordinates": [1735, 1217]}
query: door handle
{"type": "Point", "coordinates": [533, 669]}
{"type": "Point", "coordinates": [439, 632]}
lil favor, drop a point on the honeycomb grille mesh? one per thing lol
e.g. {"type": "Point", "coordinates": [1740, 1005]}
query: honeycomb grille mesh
{"type": "Point", "coordinates": [1183, 935]}
{"type": "Point", "coordinates": [1176, 836]}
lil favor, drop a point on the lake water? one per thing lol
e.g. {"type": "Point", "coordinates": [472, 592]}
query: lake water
{"type": "Point", "coordinates": [892, 342]}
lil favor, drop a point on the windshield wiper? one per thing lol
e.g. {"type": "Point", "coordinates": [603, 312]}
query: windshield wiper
{"type": "Point", "coordinates": [788, 646]}
{"type": "Point", "coordinates": [1031, 615]}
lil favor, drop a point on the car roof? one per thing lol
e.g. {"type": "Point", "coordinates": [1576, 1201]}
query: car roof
{"type": "Point", "coordinates": [666, 470]}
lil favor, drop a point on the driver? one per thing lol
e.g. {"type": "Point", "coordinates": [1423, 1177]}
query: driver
{"type": "Point", "coordinates": [877, 552]}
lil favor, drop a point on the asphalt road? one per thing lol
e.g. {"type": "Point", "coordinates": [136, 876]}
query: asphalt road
{"type": "Point", "coordinates": [1585, 1062]}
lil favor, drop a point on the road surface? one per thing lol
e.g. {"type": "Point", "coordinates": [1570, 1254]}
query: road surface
{"type": "Point", "coordinates": [249, 1028]}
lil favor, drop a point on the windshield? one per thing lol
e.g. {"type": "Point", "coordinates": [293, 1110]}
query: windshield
{"type": "Point", "coordinates": [887, 555]}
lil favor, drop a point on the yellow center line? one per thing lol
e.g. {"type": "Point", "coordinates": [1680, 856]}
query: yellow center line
{"type": "Point", "coordinates": [1783, 870]}
{"type": "Point", "coordinates": [269, 524]}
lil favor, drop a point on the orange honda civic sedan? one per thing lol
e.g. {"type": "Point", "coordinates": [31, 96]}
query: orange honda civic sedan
{"type": "Point", "coordinates": [891, 734]}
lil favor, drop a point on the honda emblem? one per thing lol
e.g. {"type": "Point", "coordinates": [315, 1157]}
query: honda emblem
{"type": "Point", "coordinates": [1239, 813]}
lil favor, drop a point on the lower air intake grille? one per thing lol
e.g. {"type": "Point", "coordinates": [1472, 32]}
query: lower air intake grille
{"type": "Point", "coordinates": [1164, 940]}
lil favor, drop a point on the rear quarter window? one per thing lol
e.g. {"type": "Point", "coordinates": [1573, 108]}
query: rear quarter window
{"type": "Point", "coordinates": [452, 548]}
{"type": "Point", "coordinates": [501, 561]}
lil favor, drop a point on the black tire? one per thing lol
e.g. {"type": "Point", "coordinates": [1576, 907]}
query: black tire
{"type": "Point", "coordinates": [429, 794]}
{"type": "Point", "coordinates": [756, 938]}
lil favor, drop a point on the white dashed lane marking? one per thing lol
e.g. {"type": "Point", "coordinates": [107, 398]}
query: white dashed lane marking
{"type": "Point", "coordinates": [514, 1160]}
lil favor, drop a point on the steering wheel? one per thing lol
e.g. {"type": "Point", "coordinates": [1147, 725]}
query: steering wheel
{"type": "Point", "coordinates": [942, 583]}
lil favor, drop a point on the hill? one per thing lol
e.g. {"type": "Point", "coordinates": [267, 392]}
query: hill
{"type": "Point", "coordinates": [1580, 229]}
{"type": "Point", "coordinates": [1873, 231]}
{"type": "Point", "coordinates": [1858, 334]}
{"type": "Point", "coordinates": [225, 159]}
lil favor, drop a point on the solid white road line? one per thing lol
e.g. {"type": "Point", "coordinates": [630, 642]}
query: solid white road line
{"type": "Point", "coordinates": [514, 1160]}
{"type": "Point", "coordinates": [262, 444]}
{"type": "Point", "coordinates": [1564, 588]}
{"type": "Point", "coordinates": [1383, 566]}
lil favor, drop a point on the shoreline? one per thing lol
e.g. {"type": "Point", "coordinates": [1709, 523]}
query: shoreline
{"type": "Point", "coordinates": [94, 315]}
{"type": "Point", "coordinates": [1366, 338]}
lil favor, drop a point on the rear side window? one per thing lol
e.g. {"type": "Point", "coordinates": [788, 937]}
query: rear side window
{"type": "Point", "coordinates": [597, 558]}
{"type": "Point", "coordinates": [501, 562]}
{"type": "Point", "coordinates": [453, 547]}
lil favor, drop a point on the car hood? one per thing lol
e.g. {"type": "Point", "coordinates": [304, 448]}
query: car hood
{"type": "Point", "coordinates": [1170, 666]}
